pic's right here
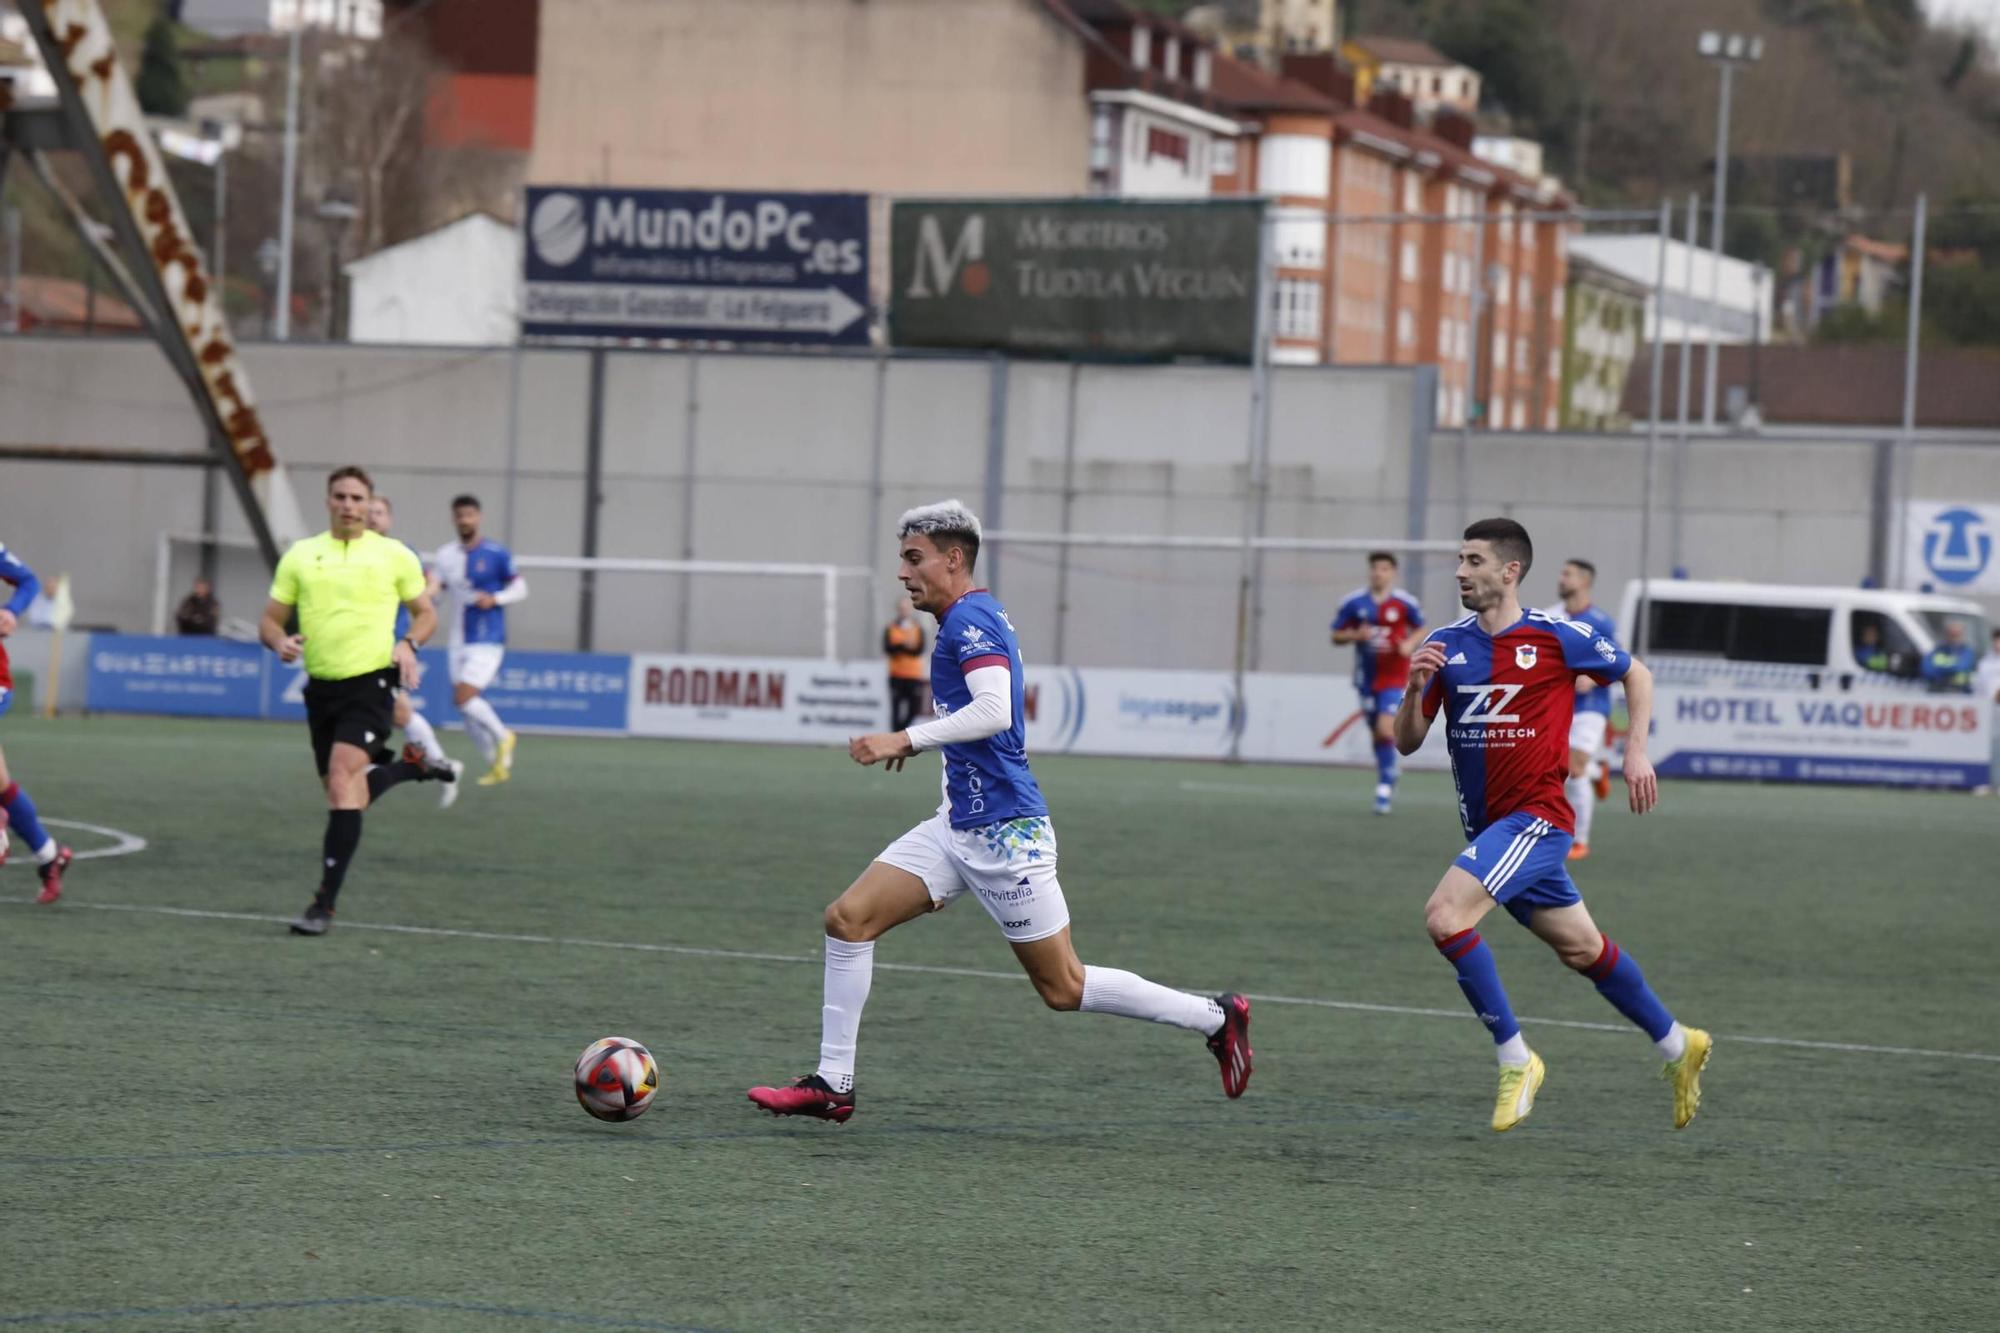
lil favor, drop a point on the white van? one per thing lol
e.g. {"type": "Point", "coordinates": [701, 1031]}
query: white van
{"type": "Point", "coordinates": [1781, 634]}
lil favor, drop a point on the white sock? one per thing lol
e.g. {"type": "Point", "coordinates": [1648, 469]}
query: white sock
{"type": "Point", "coordinates": [1675, 1043]}
{"type": "Point", "coordinates": [1596, 770]}
{"type": "Point", "coordinates": [484, 724]}
{"type": "Point", "coordinates": [46, 852]}
{"type": "Point", "coordinates": [1583, 800]}
{"type": "Point", "coordinates": [1513, 1051]}
{"type": "Point", "coordinates": [419, 730]}
{"type": "Point", "coordinates": [850, 968]}
{"type": "Point", "coordinates": [1106, 990]}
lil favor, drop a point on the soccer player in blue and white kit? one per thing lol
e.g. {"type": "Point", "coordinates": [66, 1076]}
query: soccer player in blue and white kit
{"type": "Point", "coordinates": [1381, 621]}
{"type": "Point", "coordinates": [1505, 682]}
{"type": "Point", "coordinates": [480, 576]}
{"type": "Point", "coordinates": [445, 770]}
{"type": "Point", "coordinates": [16, 810]}
{"type": "Point", "coordinates": [1589, 774]}
{"type": "Point", "coordinates": [991, 837]}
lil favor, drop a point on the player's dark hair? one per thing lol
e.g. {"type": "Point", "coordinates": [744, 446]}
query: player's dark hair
{"type": "Point", "coordinates": [1390, 556]}
{"type": "Point", "coordinates": [964, 541]}
{"type": "Point", "coordinates": [1585, 566]}
{"type": "Point", "coordinates": [1508, 538]}
{"type": "Point", "coordinates": [466, 502]}
{"type": "Point", "coordinates": [341, 474]}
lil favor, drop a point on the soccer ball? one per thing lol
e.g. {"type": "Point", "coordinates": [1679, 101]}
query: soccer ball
{"type": "Point", "coordinates": [616, 1079]}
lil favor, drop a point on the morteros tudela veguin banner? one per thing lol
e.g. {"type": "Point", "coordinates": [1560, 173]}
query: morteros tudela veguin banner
{"type": "Point", "coordinates": [1078, 278]}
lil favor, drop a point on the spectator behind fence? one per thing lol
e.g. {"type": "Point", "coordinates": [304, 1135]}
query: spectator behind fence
{"type": "Point", "coordinates": [903, 641]}
{"type": "Point", "coordinates": [199, 613]}
{"type": "Point", "coordinates": [1987, 687]}
{"type": "Point", "coordinates": [1949, 666]}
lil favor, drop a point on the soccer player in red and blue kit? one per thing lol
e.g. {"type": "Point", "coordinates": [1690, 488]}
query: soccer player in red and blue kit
{"type": "Point", "coordinates": [16, 810]}
{"type": "Point", "coordinates": [1505, 682]}
{"type": "Point", "coordinates": [1381, 621]}
{"type": "Point", "coordinates": [991, 838]}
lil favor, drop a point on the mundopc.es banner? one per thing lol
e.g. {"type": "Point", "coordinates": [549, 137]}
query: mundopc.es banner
{"type": "Point", "coordinates": [1077, 278]}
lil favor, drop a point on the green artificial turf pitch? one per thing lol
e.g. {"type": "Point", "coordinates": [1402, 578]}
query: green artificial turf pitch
{"type": "Point", "coordinates": [206, 1123]}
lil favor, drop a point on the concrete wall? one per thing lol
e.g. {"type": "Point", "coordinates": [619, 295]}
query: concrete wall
{"type": "Point", "coordinates": [809, 458]}
{"type": "Point", "coordinates": [898, 96]}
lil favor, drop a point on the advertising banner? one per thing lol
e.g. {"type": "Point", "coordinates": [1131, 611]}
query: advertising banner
{"type": "Point", "coordinates": [1905, 740]}
{"type": "Point", "coordinates": [1949, 546]}
{"type": "Point", "coordinates": [789, 699]}
{"type": "Point", "coordinates": [1076, 277]}
{"type": "Point", "coordinates": [733, 266]}
{"type": "Point", "coordinates": [533, 692]}
{"type": "Point", "coordinates": [191, 677]}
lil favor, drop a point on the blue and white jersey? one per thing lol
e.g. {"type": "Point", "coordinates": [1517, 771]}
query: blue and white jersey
{"type": "Point", "coordinates": [1599, 699]}
{"type": "Point", "coordinates": [403, 612]}
{"type": "Point", "coordinates": [985, 782]}
{"type": "Point", "coordinates": [487, 567]}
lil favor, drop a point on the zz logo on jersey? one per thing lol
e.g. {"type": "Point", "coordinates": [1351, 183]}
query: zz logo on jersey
{"type": "Point", "coordinates": [1486, 703]}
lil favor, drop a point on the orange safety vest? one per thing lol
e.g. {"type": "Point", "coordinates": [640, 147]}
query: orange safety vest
{"type": "Point", "coordinates": [904, 643]}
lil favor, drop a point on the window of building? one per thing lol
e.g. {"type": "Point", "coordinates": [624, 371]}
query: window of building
{"type": "Point", "coordinates": [1165, 143]}
{"type": "Point", "coordinates": [1406, 327]}
{"type": "Point", "coordinates": [1521, 353]}
{"type": "Point", "coordinates": [1524, 291]}
{"type": "Point", "coordinates": [1409, 261]}
{"type": "Point", "coordinates": [1204, 65]}
{"type": "Point", "coordinates": [1499, 351]}
{"type": "Point", "coordinates": [1412, 194]}
{"type": "Point", "coordinates": [1170, 60]}
{"type": "Point", "coordinates": [1142, 46]}
{"type": "Point", "coordinates": [1298, 308]}
{"type": "Point", "coordinates": [1555, 363]}
{"type": "Point", "coordinates": [1222, 158]}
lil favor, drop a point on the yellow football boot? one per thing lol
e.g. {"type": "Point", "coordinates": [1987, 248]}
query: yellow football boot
{"type": "Point", "coordinates": [1518, 1086]}
{"type": "Point", "coordinates": [1685, 1075]}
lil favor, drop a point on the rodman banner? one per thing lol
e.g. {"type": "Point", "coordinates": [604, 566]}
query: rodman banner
{"type": "Point", "coordinates": [1077, 278]}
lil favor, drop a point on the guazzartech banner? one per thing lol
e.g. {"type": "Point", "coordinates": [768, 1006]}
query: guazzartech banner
{"type": "Point", "coordinates": [1077, 277]}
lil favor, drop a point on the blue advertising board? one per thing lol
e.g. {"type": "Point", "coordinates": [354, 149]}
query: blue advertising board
{"type": "Point", "coordinates": [132, 673]}
{"type": "Point", "coordinates": [534, 691]}
{"type": "Point", "coordinates": [716, 265]}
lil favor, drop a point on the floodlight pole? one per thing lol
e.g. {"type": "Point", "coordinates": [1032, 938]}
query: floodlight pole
{"type": "Point", "coordinates": [1687, 354]}
{"type": "Point", "coordinates": [1665, 230]}
{"type": "Point", "coordinates": [1728, 50]}
{"type": "Point", "coordinates": [1906, 442]}
{"type": "Point", "coordinates": [281, 318]}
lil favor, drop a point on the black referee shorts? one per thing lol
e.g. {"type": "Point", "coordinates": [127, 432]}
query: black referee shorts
{"type": "Point", "coordinates": [360, 711]}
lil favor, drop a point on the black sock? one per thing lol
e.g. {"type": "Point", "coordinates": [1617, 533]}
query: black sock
{"type": "Point", "coordinates": [343, 836]}
{"type": "Point", "coordinates": [384, 776]}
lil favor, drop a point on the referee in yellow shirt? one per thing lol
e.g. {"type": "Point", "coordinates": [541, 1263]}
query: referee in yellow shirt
{"type": "Point", "coordinates": [346, 584]}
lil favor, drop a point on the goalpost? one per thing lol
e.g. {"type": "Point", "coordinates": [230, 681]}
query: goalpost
{"type": "Point", "coordinates": [178, 561]}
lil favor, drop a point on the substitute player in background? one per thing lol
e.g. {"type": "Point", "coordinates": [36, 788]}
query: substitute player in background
{"type": "Point", "coordinates": [991, 837]}
{"type": "Point", "coordinates": [345, 585]}
{"type": "Point", "coordinates": [479, 575]}
{"type": "Point", "coordinates": [382, 519]}
{"type": "Point", "coordinates": [1589, 766]}
{"type": "Point", "coordinates": [16, 810]}
{"type": "Point", "coordinates": [1381, 621]}
{"type": "Point", "coordinates": [1506, 684]}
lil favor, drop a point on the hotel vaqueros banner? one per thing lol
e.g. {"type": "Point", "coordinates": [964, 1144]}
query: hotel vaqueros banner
{"type": "Point", "coordinates": [710, 265]}
{"type": "Point", "coordinates": [1077, 277]}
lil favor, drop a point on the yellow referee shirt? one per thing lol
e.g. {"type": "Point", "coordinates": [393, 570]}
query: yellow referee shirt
{"type": "Point", "coordinates": [347, 594]}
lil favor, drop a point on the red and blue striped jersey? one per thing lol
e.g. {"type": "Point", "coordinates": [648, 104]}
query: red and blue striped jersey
{"type": "Point", "coordinates": [1507, 700]}
{"type": "Point", "coordinates": [26, 585]}
{"type": "Point", "coordinates": [1377, 663]}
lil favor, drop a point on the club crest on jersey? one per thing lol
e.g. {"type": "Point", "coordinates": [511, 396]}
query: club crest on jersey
{"type": "Point", "coordinates": [1524, 655]}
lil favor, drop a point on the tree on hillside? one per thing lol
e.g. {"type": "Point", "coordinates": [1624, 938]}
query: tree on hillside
{"type": "Point", "coordinates": [162, 86]}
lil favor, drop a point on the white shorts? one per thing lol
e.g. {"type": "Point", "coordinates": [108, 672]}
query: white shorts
{"type": "Point", "coordinates": [1586, 733]}
{"type": "Point", "coordinates": [1011, 867]}
{"type": "Point", "coordinates": [476, 664]}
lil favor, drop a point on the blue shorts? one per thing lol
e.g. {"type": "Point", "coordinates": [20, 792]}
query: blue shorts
{"type": "Point", "coordinates": [1377, 703]}
{"type": "Point", "coordinates": [6, 697]}
{"type": "Point", "coordinates": [1523, 862]}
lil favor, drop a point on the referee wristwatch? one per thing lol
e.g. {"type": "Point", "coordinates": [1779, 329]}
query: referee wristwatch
{"type": "Point", "coordinates": [415, 647]}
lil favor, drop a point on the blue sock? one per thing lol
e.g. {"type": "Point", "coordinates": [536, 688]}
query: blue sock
{"type": "Point", "coordinates": [21, 817]}
{"type": "Point", "coordinates": [1620, 981]}
{"type": "Point", "coordinates": [1480, 980]}
{"type": "Point", "coordinates": [1385, 763]}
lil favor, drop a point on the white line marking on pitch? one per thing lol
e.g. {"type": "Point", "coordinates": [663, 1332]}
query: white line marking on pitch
{"type": "Point", "coordinates": [123, 844]}
{"type": "Point", "coordinates": [742, 955]}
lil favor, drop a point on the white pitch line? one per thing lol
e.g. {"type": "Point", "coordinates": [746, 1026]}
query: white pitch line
{"type": "Point", "coordinates": [123, 844]}
{"type": "Point", "coordinates": [749, 956]}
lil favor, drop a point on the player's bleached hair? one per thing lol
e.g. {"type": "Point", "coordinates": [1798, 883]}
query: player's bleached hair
{"type": "Point", "coordinates": [946, 523]}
